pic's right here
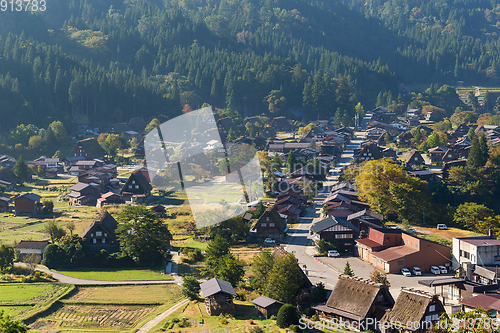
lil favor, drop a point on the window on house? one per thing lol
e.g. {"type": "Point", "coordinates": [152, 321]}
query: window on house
{"type": "Point", "coordinates": [267, 218]}
{"type": "Point", "coordinates": [263, 225]}
{"type": "Point", "coordinates": [95, 241]}
{"type": "Point", "coordinates": [432, 308]}
{"type": "Point", "coordinates": [98, 233]}
{"type": "Point", "coordinates": [104, 240]}
{"type": "Point", "coordinates": [130, 186]}
{"type": "Point", "coordinates": [435, 317]}
{"type": "Point", "coordinates": [133, 182]}
{"type": "Point", "coordinates": [91, 235]}
{"type": "Point", "coordinates": [271, 225]}
{"type": "Point", "coordinates": [105, 234]}
{"type": "Point", "coordinates": [416, 158]}
{"type": "Point", "coordinates": [136, 186]}
{"type": "Point", "coordinates": [428, 318]}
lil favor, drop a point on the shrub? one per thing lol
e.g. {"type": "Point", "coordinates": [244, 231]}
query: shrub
{"type": "Point", "coordinates": [256, 329]}
{"type": "Point", "coordinates": [184, 323]}
{"type": "Point", "coordinates": [175, 320]}
{"type": "Point", "coordinates": [295, 328]}
{"type": "Point", "coordinates": [273, 317]}
{"type": "Point", "coordinates": [315, 318]}
{"type": "Point", "coordinates": [308, 312]}
{"type": "Point", "coordinates": [287, 316]}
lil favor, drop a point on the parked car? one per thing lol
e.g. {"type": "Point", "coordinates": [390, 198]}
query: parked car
{"type": "Point", "coordinates": [405, 272]}
{"type": "Point", "coordinates": [435, 270]}
{"type": "Point", "coordinates": [269, 241]}
{"type": "Point", "coordinates": [443, 269]}
{"type": "Point", "coordinates": [417, 271]}
{"type": "Point", "coordinates": [333, 253]}
{"type": "Point", "coordinates": [442, 227]}
{"type": "Point", "coordinates": [413, 230]}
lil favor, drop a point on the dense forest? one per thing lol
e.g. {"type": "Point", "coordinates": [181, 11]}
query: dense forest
{"type": "Point", "coordinates": [117, 59]}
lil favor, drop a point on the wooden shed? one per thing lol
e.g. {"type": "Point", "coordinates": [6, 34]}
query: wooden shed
{"type": "Point", "coordinates": [266, 307]}
{"type": "Point", "coordinates": [218, 296]}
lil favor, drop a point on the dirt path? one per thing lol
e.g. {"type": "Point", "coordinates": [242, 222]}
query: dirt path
{"type": "Point", "coordinates": [156, 320]}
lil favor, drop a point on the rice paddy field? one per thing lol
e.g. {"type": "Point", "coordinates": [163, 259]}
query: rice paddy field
{"type": "Point", "coordinates": [20, 299]}
{"type": "Point", "coordinates": [109, 308]}
{"type": "Point", "coordinates": [118, 274]}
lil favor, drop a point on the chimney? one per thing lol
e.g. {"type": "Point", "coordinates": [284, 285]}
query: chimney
{"type": "Point", "coordinates": [491, 234]}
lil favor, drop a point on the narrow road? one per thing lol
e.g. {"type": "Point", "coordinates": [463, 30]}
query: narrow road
{"type": "Point", "coordinates": [298, 240]}
{"type": "Point", "coordinates": [76, 281]}
{"type": "Point", "coordinates": [156, 320]}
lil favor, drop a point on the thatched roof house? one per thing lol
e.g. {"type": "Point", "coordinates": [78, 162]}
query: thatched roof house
{"type": "Point", "coordinates": [414, 311]}
{"type": "Point", "coordinates": [355, 300]}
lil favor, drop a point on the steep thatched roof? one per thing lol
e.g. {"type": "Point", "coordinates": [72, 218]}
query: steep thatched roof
{"type": "Point", "coordinates": [355, 296]}
{"type": "Point", "coordinates": [92, 147]}
{"type": "Point", "coordinates": [105, 221]}
{"type": "Point", "coordinates": [411, 306]}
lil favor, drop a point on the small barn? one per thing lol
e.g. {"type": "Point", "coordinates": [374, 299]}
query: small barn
{"type": "Point", "coordinates": [266, 307]}
{"type": "Point", "coordinates": [4, 204]}
{"type": "Point", "coordinates": [28, 204]}
{"type": "Point", "coordinates": [218, 296]}
{"type": "Point", "coordinates": [27, 248]}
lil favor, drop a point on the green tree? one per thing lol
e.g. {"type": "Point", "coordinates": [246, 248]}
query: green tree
{"type": "Point", "coordinates": [347, 269]}
{"type": "Point", "coordinates": [291, 162]}
{"type": "Point", "coordinates": [287, 315]}
{"type": "Point", "coordinates": [6, 256]}
{"type": "Point", "coordinates": [71, 227]}
{"type": "Point", "coordinates": [21, 170]}
{"type": "Point", "coordinates": [467, 215]}
{"type": "Point", "coordinates": [231, 135]}
{"type": "Point", "coordinates": [154, 123]}
{"type": "Point", "coordinates": [54, 257]}
{"type": "Point", "coordinates": [190, 287]}
{"type": "Point", "coordinates": [230, 269]}
{"type": "Point", "coordinates": [60, 133]}
{"type": "Point", "coordinates": [48, 207]}
{"type": "Point", "coordinates": [318, 294]}
{"type": "Point", "coordinates": [360, 111]}
{"type": "Point", "coordinates": [143, 235]}
{"type": "Point", "coordinates": [8, 325]}
{"type": "Point", "coordinates": [216, 250]}
{"type": "Point", "coordinates": [261, 267]}
{"type": "Point", "coordinates": [478, 155]}
{"type": "Point", "coordinates": [54, 231]}
{"type": "Point", "coordinates": [284, 280]}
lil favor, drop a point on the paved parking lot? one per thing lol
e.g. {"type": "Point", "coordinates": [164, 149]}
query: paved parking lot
{"type": "Point", "coordinates": [363, 269]}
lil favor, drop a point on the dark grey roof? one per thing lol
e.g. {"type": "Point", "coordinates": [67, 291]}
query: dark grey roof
{"type": "Point", "coordinates": [215, 285]}
{"type": "Point", "coordinates": [264, 301]}
{"type": "Point", "coordinates": [79, 186]}
{"type": "Point", "coordinates": [33, 245]}
{"type": "Point", "coordinates": [4, 199]}
{"type": "Point", "coordinates": [441, 282]}
{"type": "Point", "coordinates": [363, 212]}
{"type": "Point", "coordinates": [30, 196]}
{"type": "Point", "coordinates": [330, 222]}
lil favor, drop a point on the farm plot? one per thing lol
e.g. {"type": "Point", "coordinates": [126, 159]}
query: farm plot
{"type": "Point", "coordinates": [143, 294]}
{"type": "Point", "coordinates": [72, 316]}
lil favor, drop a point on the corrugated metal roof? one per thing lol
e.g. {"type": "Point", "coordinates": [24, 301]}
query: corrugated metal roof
{"type": "Point", "coordinates": [215, 285]}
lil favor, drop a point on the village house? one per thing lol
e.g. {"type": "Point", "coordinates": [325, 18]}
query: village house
{"type": "Point", "coordinates": [270, 225]}
{"type": "Point", "coordinates": [354, 300]}
{"type": "Point", "coordinates": [450, 155]}
{"type": "Point", "coordinates": [100, 234]}
{"type": "Point", "coordinates": [109, 198]}
{"type": "Point", "coordinates": [436, 154]}
{"type": "Point", "coordinates": [281, 124]}
{"type": "Point", "coordinates": [83, 194]}
{"type": "Point", "coordinates": [392, 249]}
{"type": "Point", "coordinates": [28, 248]}
{"type": "Point", "coordinates": [487, 302]}
{"type": "Point", "coordinates": [136, 124]}
{"type": "Point", "coordinates": [414, 311]}
{"type": "Point", "coordinates": [7, 161]}
{"type": "Point", "coordinates": [136, 185]}
{"type": "Point", "coordinates": [224, 125]}
{"type": "Point", "coordinates": [370, 151]}
{"type": "Point", "coordinates": [364, 220]}
{"type": "Point", "coordinates": [88, 149]}
{"type": "Point", "coordinates": [28, 204]}
{"type": "Point", "coordinates": [291, 213]}
{"type": "Point", "coordinates": [266, 307]}
{"type": "Point", "coordinates": [448, 165]}
{"type": "Point", "coordinates": [268, 132]}
{"type": "Point", "coordinates": [219, 296]}
{"type": "Point", "coordinates": [337, 205]}
{"type": "Point", "coordinates": [414, 159]}
{"type": "Point", "coordinates": [4, 204]}
{"type": "Point", "coordinates": [334, 229]}
{"type": "Point", "coordinates": [404, 140]}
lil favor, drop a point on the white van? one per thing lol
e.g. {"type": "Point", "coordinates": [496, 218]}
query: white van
{"type": "Point", "coordinates": [443, 269]}
{"type": "Point", "coordinates": [435, 270]}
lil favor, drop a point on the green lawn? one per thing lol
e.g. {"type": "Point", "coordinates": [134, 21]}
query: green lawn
{"type": "Point", "coordinates": [117, 274]}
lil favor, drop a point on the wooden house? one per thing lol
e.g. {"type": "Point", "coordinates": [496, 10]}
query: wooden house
{"type": "Point", "coordinates": [88, 149]}
{"type": "Point", "coordinates": [224, 125]}
{"type": "Point", "coordinates": [83, 194]}
{"type": "Point", "coordinates": [218, 297]}
{"type": "Point", "coordinates": [281, 124]}
{"type": "Point", "coordinates": [136, 184]}
{"type": "Point", "coordinates": [4, 204]}
{"type": "Point", "coordinates": [404, 140]}
{"type": "Point", "coordinates": [414, 311]}
{"type": "Point", "coordinates": [449, 155]}
{"type": "Point", "coordinates": [268, 132]}
{"type": "Point", "coordinates": [27, 248]}
{"type": "Point", "coordinates": [414, 158]}
{"type": "Point", "coordinates": [436, 154]}
{"type": "Point", "coordinates": [336, 229]}
{"type": "Point", "coordinates": [266, 307]}
{"type": "Point", "coordinates": [292, 213]}
{"type": "Point", "coordinates": [109, 198]}
{"type": "Point", "coordinates": [158, 209]}
{"type": "Point", "coordinates": [100, 234]}
{"type": "Point", "coordinates": [462, 129]}
{"type": "Point", "coordinates": [448, 165]}
{"type": "Point", "coordinates": [364, 220]}
{"type": "Point", "coordinates": [137, 124]}
{"type": "Point", "coordinates": [356, 300]}
{"type": "Point", "coordinates": [368, 152]}
{"type": "Point", "coordinates": [28, 204]}
{"type": "Point", "coordinates": [270, 225]}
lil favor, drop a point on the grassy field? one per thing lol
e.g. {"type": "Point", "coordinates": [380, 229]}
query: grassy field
{"type": "Point", "coordinates": [164, 293]}
{"type": "Point", "coordinates": [19, 299]}
{"type": "Point", "coordinates": [117, 274]}
{"type": "Point", "coordinates": [244, 320]}
{"type": "Point", "coordinates": [109, 308]}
